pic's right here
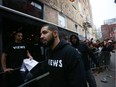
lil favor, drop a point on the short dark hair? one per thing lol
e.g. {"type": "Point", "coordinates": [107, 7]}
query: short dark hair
{"type": "Point", "coordinates": [16, 32]}
{"type": "Point", "coordinates": [51, 27]}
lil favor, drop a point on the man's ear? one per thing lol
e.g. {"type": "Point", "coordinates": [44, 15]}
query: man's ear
{"type": "Point", "coordinates": [55, 33]}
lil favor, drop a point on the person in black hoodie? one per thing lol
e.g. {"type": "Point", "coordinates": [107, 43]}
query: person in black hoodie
{"type": "Point", "coordinates": [64, 63]}
{"type": "Point", "coordinates": [86, 54]}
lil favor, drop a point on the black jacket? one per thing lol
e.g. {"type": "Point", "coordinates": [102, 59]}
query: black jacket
{"type": "Point", "coordinates": [87, 54]}
{"type": "Point", "coordinates": [65, 66]}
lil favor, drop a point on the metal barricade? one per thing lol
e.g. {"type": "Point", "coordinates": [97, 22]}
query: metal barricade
{"type": "Point", "coordinates": [103, 59]}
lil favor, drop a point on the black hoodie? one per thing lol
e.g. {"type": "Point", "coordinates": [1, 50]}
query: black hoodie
{"type": "Point", "coordinates": [86, 53]}
{"type": "Point", "coordinates": [65, 66]}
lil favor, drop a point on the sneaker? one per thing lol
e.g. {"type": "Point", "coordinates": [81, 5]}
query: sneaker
{"type": "Point", "coordinates": [109, 76]}
{"type": "Point", "coordinates": [104, 80]}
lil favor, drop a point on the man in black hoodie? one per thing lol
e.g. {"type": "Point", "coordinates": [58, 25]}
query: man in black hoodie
{"type": "Point", "coordinates": [65, 65]}
{"type": "Point", "coordinates": [86, 53]}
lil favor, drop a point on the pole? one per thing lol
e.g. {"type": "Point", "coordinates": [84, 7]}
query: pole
{"type": "Point", "coordinates": [85, 30]}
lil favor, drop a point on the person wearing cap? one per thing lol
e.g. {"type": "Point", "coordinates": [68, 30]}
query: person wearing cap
{"type": "Point", "coordinates": [109, 41]}
{"type": "Point", "coordinates": [106, 49]}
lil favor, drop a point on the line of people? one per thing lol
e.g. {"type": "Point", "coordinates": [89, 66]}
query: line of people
{"type": "Point", "coordinates": [68, 63]}
{"type": "Point", "coordinates": [68, 67]}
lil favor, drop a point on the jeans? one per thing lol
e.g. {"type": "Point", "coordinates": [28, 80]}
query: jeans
{"type": "Point", "coordinates": [90, 78]}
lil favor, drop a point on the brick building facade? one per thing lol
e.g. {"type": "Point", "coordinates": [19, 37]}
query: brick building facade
{"type": "Point", "coordinates": [69, 15]}
{"type": "Point", "coordinates": [109, 31]}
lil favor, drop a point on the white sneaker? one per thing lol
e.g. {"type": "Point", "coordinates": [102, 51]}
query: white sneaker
{"type": "Point", "coordinates": [104, 80]}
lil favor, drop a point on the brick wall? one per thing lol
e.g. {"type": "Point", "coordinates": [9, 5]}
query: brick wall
{"type": "Point", "coordinates": [107, 31]}
{"type": "Point", "coordinates": [71, 11]}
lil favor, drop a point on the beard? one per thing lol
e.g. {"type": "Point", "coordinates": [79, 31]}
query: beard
{"type": "Point", "coordinates": [50, 42]}
{"type": "Point", "coordinates": [75, 43]}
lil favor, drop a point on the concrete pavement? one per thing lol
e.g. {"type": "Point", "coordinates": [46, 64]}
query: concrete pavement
{"type": "Point", "coordinates": [108, 75]}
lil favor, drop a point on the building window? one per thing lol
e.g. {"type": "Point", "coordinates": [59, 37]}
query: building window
{"type": "Point", "coordinates": [36, 5]}
{"type": "Point", "coordinates": [76, 28]}
{"type": "Point", "coordinates": [62, 20]}
{"type": "Point", "coordinates": [27, 6]}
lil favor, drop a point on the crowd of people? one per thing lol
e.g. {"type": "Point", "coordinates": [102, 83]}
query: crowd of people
{"type": "Point", "coordinates": [68, 59]}
{"type": "Point", "coordinates": [106, 47]}
{"type": "Point", "coordinates": [61, 52]}
{"type": "Point", "coordinates": [102, 50]}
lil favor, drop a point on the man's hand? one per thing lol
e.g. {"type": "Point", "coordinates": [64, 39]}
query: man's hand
{"type": "Point", "coordinates": [97, 70]}
{"type": "Point", "coordinates": [30, 58]}
{"type": "Point", "coordinates": [8, 70]}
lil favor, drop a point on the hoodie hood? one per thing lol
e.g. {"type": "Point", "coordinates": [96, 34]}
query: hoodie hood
{"type": "Point", "coordinates": [74, 44]}
{"type": "Point", "coordinates": [61, 44]}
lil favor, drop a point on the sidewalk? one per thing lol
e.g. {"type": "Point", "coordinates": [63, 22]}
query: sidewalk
{"type": "Point", "coordinates": [108, 75]}
{"type": "Point", "coordinates": [110, 79]}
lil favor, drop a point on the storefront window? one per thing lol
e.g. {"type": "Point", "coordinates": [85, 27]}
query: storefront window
{"type": "Point", "coordinates": [27, 6]}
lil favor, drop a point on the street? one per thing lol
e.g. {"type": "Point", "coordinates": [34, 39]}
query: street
{"type": "Point", "coordinates": [108, 75]}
